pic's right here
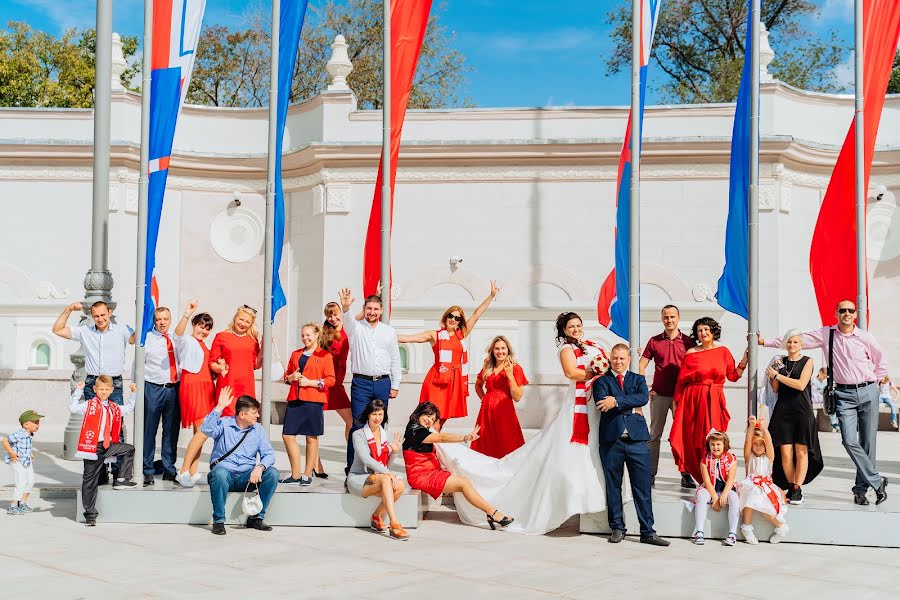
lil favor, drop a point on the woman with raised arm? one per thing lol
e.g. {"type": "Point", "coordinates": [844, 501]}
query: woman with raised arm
{"type": "Point", "coordinates": [500, 383]}
{"type": "Point", "coordinates": [235, 355]}
{"type": "Point", "coordinates": [334, 340]}
{"type": "Point", "coordinates": [447, 383]}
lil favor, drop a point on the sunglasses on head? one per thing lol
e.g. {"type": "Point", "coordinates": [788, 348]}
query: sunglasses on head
{"type": "Point", "coordinates": [842, 311]}
{"type": "Point", "coordinates": [454, 317]}
{"type": "Point", "coordinates": [250, 308]}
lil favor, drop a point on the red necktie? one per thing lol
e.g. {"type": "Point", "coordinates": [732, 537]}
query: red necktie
{"type": "Point", "coordinates": [621, 377]}
{"type": "Point", "coordinates": [107, 426]}
{"type": "Point", "coordinates": [173, 370]}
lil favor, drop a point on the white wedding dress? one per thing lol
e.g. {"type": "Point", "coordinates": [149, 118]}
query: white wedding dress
{"type": "Point", "coordinates": [542, 483]}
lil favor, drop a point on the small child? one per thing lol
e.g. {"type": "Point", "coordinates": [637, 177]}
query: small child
{"type": "Point", "coordinates": [100, 439]}
{"type": "Point", "coordinates": [19, 457]}
{"type": "Point", "coordinates": [719, 468]}
{"type": "Point", "coordinates": [885, 390]}
{"type": "Point", "coordinates": [757, 491]}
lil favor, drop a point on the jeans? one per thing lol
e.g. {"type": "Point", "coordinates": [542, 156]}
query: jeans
{"type": "Point", "coordinates": [363, 391]}
{"type": "Point", "coordinates": [161, 403]}
{"type": "Point", "coordinates": [886, 400]}
{"type": "Point", "coordinates": [221, 481]}
{"type": "Point", "coordinates": [116, 395]}
{"type": "Point", "coordinates": [857, 411]}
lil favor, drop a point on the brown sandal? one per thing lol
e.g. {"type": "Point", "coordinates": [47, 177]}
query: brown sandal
{"type": "Point", "coordinates": [377, 524]}
{"type": "Point", "coordinates": [398, 533]}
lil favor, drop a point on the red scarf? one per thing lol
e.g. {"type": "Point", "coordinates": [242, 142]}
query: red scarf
{"type": "Point", "coordinates": [90, 427]}
{"type": "Point", "coordinates": [764, 482]}
{"type": "Point", "coordinates": [725, 461]}
{"type": "Point", "coordinates": [581, 428]}
{"type": "Point", "coordinates": [383, 454]}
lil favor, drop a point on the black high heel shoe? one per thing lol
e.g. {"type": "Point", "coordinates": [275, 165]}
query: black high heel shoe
{"type": "Point", "coordinates": [320, 475]}
{"type": "Point", "coordinates": [502, 522]}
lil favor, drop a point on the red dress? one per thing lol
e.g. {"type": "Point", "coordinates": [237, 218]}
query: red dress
{"type": "Point", "coordinates": [449, 396]}
{"type": "Point", "coordinates": [197, 392]}
{"type": "Point", "coordinates": [500, 430]}
{"type": "Point", "coordinates": [239, 352]}
{"type": "Point", "coordinates": [337, 395]}
{"type": "Point", "coordinates": [700, 405]}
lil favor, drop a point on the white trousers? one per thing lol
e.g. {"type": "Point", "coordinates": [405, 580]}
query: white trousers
{"type": "Point", "coordinates": [704, 500]}
{"type": "Point", "coordinates": [24, 477]}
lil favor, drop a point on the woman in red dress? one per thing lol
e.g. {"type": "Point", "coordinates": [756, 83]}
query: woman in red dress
{"type": "Point", "coordinates": [334, 339]}
{"type": "Point", "coordinates": [235, 355]}
{"type": "Point", "coordinates": [700, 396]}
{"type": "Point", "coordinates": [447, 383]}
{"type": "Point", "coordinates": [499, 384]}
{"type": "Point", "coordinates": [196, 390]}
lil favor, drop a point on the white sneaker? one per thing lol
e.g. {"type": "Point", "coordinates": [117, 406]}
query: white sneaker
{"type": "Point", "coordinates": [184, 480]}
{"type": "Point", "coordinates": [197, 478]}
{"type": "Point", "coordinates": [698, 538]}
{"type": "Point", "coordinates": [730, 539]}
{"type": "Point", "coordinates": [780, 534]}
{"type": "Point", "coordinates": [749, 536]}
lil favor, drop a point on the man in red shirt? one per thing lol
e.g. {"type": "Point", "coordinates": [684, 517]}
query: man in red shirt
{"type": "Point", "coordinates": [666, 350]}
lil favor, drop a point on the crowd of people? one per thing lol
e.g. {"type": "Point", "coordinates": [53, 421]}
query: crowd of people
{"type": "Point", "coordinates": [573, 465]}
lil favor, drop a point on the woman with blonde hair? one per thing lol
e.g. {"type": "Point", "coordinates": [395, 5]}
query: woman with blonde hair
{"type": "Point", "coordinates": [447, 383]}
{"type": "Point", "coordinates": [235, 355]}
{"type": "Point", "coordinates": [500, 383]}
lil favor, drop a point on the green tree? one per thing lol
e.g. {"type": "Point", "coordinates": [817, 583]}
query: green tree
{"type": "Point", "coordinates": [894, 83]}
{"type": "Point", "coordinates": [699, 47]}
{"type": "Point", "coordinates": [39, 69]}
{"type": "Point", "coordinates": [232, 67]}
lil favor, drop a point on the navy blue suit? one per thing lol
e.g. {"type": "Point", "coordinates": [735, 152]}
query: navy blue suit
{"type": "Point", "coordinates": [618, 450]}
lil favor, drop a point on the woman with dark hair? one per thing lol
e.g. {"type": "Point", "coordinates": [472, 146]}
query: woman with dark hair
{"type": "Point", "coordinates": [700, 395]}
{"type": "Point", "coordinates": [500, 383]}
{"type": "Point", "coordinates": [370, 473]}
{"type": "Point", "coordinates": [196, 391]}
{"type": "Point", "coordinates": [447, 383]}
{"type": "Point", "coordinates": [557, 473]}
{"type": "Point", "coordinates": [424, 472]}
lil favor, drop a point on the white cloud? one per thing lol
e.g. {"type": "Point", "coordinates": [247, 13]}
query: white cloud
{"type": "Point", "coordinates": [844, 73]}
{"type": "Point", "coordinates": [837, 10]}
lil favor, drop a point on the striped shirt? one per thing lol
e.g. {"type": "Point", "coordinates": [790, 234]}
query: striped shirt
{"type": "Point", "coordinates": [21, 442]}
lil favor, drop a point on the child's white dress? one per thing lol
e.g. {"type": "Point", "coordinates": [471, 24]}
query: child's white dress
{"type": "Point", "coordinates": [759, 492]}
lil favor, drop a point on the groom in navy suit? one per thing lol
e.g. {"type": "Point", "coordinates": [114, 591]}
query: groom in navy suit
{"type": "Point", "coordinates": [624, 440]}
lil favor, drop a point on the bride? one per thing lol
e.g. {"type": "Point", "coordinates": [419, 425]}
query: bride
{"type": "Point", "coordinates": [557, 473]}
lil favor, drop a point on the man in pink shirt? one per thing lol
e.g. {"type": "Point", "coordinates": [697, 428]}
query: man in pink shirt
{"type": "Point", "coordinates": [858, 364]}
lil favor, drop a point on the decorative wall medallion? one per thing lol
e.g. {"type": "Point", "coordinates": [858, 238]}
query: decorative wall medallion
{"type": "Point", "coordinates": [703, 293]}
{"type": "Point", "coordinates": [236, 234]}
{"type": "Point", "coordinates": [47, 290]}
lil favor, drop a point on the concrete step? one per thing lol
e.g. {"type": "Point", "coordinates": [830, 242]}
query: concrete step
{"type": "Point", "coordinates": [324, 504]}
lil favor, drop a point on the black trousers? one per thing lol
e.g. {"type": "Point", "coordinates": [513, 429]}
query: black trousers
{"type": "Point", "coordinates": [93, 469]}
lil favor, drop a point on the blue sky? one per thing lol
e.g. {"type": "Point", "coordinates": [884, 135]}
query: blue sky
{"type": "Point", "coordinates": [524, 52]}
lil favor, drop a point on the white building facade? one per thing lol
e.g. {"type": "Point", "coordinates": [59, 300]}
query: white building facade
{"type": "Point", "coordinates": [523, 196]}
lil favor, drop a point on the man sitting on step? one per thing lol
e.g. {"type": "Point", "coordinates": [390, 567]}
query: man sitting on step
{"type": "Point", "coordinates": [239, 440]}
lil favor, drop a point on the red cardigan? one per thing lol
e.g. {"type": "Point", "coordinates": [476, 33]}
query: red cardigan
{"type": "Point", "coordinates": [319, 366]}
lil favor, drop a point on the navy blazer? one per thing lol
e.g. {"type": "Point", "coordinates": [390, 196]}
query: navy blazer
{"type": "Point", "coordinates": [614, 421]}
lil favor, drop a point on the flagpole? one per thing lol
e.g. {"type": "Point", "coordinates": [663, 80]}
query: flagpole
{"type": "Point", "coordinates": [753, 218]}
{"type": "Point", "coordinates": [386, 171]}
{"type": "Point", "coordinates": [143, 189]}
{"type": "Point", "coordinates": [862, 302]}
{"type": "Point", "coordinates": [634, 250]}
{"type": "Point", "coordinates": [266, 413]}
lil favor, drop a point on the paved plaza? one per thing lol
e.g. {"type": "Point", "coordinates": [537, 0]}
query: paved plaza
{"type": "Point", "coordinates": [48, 555]}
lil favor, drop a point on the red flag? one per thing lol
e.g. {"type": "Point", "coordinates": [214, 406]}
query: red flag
{"type": "Point", "coordinates": [409, 19]}
{"type": "Point", "coordinates": [832, 256]}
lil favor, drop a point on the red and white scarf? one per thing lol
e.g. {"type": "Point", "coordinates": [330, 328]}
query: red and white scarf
{"type": "Point", "coordinates": [90, 427]}
{"type": "Point", "coordinates": [581, 428]}
{"type": "Point", "coordinates": [725, 461]}
{"type": "Point", "coordinates": [445, 356]}
{"type": "Point", "coordinates": [382, 454]}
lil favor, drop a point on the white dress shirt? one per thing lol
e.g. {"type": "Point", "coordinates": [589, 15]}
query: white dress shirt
{"type": "Point", "coordinates": [156, 358]}
{"type": "Point", "coordinates": [104, 351]}
{"type": "Point", "coordinates": [189, 352]}
{"type": "Point", "coordinates": [79, 406]}
{"type": "Point", "coordinates": [374, 351]}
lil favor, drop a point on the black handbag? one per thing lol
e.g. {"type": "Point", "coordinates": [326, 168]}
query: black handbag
{"type": "Point", "coordinates": [829, 401]}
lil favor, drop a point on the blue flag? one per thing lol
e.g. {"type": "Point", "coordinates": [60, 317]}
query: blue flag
{"type": "Point", "coordinates": [734, 285]}
{"type": "Point", "coordinates": [292, 15]}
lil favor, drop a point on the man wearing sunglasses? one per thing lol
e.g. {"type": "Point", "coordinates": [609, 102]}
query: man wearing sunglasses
{"type": "Point", "coordinates": [859, 363]}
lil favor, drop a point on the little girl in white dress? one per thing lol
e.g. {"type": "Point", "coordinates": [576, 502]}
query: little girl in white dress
{"type": "Point", "coordinates": [757, 491]}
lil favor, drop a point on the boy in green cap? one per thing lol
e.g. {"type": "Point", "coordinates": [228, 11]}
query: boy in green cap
{"type": "Point", "coordinates": [19, 457]}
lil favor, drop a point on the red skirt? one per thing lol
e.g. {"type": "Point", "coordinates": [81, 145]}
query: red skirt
{"type": "Point", "coordinates": [337, 398]}
{"type": "Point", "coordinates": [500, 429]}
{"type": "Point", "coordinates": [450, 399]}
{"type": "Point", "coordinates": [700, 407]}
{"type": "Point", "coordinates": [196, 398]}
{"type": "Point", "coordinates": [424, 472]}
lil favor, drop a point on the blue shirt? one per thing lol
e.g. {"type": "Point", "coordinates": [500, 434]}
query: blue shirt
{"type": "Point", "coordinates": [226, 434]}
{"type": "Point", "coordinates": [21, 442]}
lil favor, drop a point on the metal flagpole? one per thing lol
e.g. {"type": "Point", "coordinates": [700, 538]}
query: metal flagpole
{"type": "Point", "coordinates": [386, 171]}
{"type": "Point", "coordinates": [862, 302]}
{"type": "Point", "coordinates": [266, 414]}
{"type": "Point", "coordinates": [143, 185]}
{"type": "Point", "coordinates": [634, 251]}
{"type": "Point", "coordinates": [753, 217]}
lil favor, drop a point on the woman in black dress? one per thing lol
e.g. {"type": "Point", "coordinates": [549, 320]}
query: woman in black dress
{"type": "Point", "coordinates": [793, 424]}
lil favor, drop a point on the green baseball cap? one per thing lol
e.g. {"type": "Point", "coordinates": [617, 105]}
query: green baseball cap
{"type": "Point", "coordinates": [29, 415]}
